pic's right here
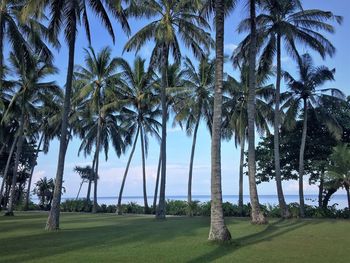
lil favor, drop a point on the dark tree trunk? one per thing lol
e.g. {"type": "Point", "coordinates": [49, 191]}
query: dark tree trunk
{"type": "Point", "coordinates": [92, 175]}
{"type": "Point", "coordinates": [327, 197]}
{"type": "Point", "coordinates": [257, 216]}
{"type": "Point", "coordinates": [164, 85]}
{"type": "Point", "coordinates": [241, 164]}
{"type": "Point", "coordinates": [13, 146]}
{"type": "Point", "coordinates": [81, 184]}
{"type": "Point", "coordinates": [218, 230]}
{"type": "Point", "coordinates": [155, 197]}
{"type": "Point", "coordinates": [1, 51]}
{"type": "Point", "coordinates": [53, 221]}
{"type": "Point", "coordinates": [348, 195]}
{"type": "Point", "coordinates": [19, 149]}
{"type": "Point", "coordinates": [301, 161]}
{"type": "Point", "coordinates": [26, 204]}
{"type": "Point", "coordinates": [144, 171]}
{"type": "Point", "coordinates": [189, 189]}
{"type": "Point", "coordinates": [320, 190]}
{"type": "Point", "coordinates": [282, 203]}
{"type": "Point", "coordinates": [97, 153]}
{"type": "Point", "coordinates": [119, 205]}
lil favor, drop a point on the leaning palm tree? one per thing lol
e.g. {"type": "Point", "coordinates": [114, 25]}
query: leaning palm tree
{"type": "Point", "coordinates": [172, 21]}
{"type": "Point", "coordinates": [306, 93]}
{"type": "Point", "coordinates": [67, 14]}
{"type": "Point", "coordinates": [140, 109]}
{"type": "Point", "coordinates": [86, 174]}
{"type": "Point", "coordinates": [30, 93]}
{"type": "Point", "coordinates": [198, 87]}
{"type": "Point", "coordinates": [96, 80]}
{"type": "Point", "coordinates": [285, 22]}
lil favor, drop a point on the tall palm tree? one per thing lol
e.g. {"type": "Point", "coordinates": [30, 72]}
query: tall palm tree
{"type": "Point", "coordinates": [97, 80]}
{"type": "Point", "coordinates": [236, 114]}
{"type": "Point", "coordinates": [198, 87]}
{"type": "Point", "coordinates": [305, 93]}
{"type": "Point", "coordinates": [172, 21]}
{"type": "Point", "coordinates": [67, 14]}
{"type": "Point", "coordinates": [30, 92]}
{"type": "Point", "coordinates": [285, 22]}
{"type": "Point", "coordinates": [140, 110]}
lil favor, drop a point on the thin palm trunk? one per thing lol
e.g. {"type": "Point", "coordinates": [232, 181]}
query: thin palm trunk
{"type": "Point", "coordinates": [301, 162]}
{"type": "Point", "coordinates": [257, 216]}
{"type": "Point", "coordinates": [13, 146]}
{"type": "Point", "coordinates": [282, 203]}
{"type": "Point", "coordinates": [26, 204]}
{"type": "Point", "coordinates": [155, 197]}
{"type": "Point", "coordinates": [241, 165]}
{"type": "Point", "coordinates": [348, 195]}
{"type": "Point", "coordinates": [97, 152]}
{"type": "Point", "coordinates": [119, 206]}
{"type": "Point", "coordinates": [53, 221]}
{"type": "Point", "coordinates": [81, 184]}
{"type": "Point", "coordinates": [1, 51]}
{"type": "Point", "coordinates": [218, 230]}
{"type": "Point", "coordinates": [144, 171]}
{"type": "Point", "coordinates": [161, 205]}
{"type": "Point", "coordinates": [189, 190]}
{"type": "Point", "coordinates": [15, 168]}
{"type": "Point", "coordinates": [320, 190]}
{"type": "Point", "coordinates": [90, 180]}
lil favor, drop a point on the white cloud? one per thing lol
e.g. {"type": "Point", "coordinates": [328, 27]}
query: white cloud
{"type": "Point", "coordinates": [230, 47]}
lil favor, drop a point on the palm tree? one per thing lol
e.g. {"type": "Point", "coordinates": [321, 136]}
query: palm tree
{"type": "Point", "coordinates": [197, 104]}
{"type": "Point", "coordinates": [173, 20]}
{"type": "Point", "coordinates": [85, 175]}
{"type": "Point", "coordinates": [67, 14]}
{"type": "Point", "coordinates": [140, 110]}
{"type": "Point", "coordinates": [285, 22]}
{"type": "Point", "coordinates": [97, 80]}
{"type": "Point", "coordinates": [236, 114]}
{"type": "Point", "coordinates": [305, 93]}
{"type": "Point", "coordinates": [30, 92]}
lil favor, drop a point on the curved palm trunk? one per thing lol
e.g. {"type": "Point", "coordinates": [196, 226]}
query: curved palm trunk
{"type": "Point", "coordinates": [81, 184]}
{"type": "Point", "coordinates": [53, 221]}
{"type": "Point", "coordinates": [157, 183]}
{"type": "Point", "coordinates": [161, 205]}
{"type": "Point", "coordinates": [282, 203]}
{"type": "Point", "coordinates": [144, 172]}
{"type": "Point", "coordinates": [15, 169]}
{"type": "Point", "coordinates": [189, 190]}
{"type": "Point", "coordinates": [26, 204]}
{"type": "Point", "coordinates": [257, 216]}
{"type": "Point", "coordinates": [119, 206]}
{"type": "Point", "coordinates": [13, 146]}
{"type": "Point", "coordinates": [97, 153]}
{"type": "Point", "coordinates": [218, 230]}
{"type": "Point", "coordinates": [301, 162]}
{"type": "Point", "coordinates": [241, 164]}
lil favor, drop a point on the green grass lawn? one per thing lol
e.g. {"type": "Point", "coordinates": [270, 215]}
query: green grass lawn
{"type": "Point", "coordinates": [111, 238]}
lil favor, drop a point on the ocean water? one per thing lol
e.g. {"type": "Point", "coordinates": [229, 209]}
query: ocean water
{"type": "Point", "coordinates": [339, 200]}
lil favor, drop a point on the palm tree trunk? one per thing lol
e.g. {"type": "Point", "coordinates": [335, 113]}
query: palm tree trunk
{"type": "Point", "coordinates": [144, 171]}
{"type": "Point", "coordinates": [15, 169]}
{"type": "Point", "coordinates": [97, 153]}
{"type": "Point", "coordinates": [301, 162]}
{"type": "Point", "coordinates": [189, 191]}
{"type": "Point", "coordinates": [81, 184]}
{"type": "Point", "coordinates": [218, 230]}
{"type": "Point", "coordinates": [13, 146]}
{"type": "Point", "coordinates": [282, 203]}
{"type": "Point", "coordinates": [26, 204]}
{"type": "Point", "coordinates": [119, 206]}
{"type": "Point", "coordinates": [241, 164]}
{"type": "Point", "coordinates": [1, 51]}
{"type": "Point", "coordinates": [257, 216]}
{"type": "Point", "coordinates": [90, 180]}
{"type": "Point", "coordinates": [157, 183]}
{"type": "Point", "coordinates": [53, 221]}
{"type": "Point", "coordinates": [346, 186]}
{"type": "Point", "coordinates": [320, 190]}
{"type": "Point", "coordinates": [161, 205]}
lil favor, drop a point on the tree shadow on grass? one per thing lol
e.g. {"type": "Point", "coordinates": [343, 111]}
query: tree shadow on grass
{"type": "Point", "coordinates": [271, 231]}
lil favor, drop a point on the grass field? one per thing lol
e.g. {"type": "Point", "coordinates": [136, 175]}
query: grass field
{"type": "Point", "coordinates": [111, 238]}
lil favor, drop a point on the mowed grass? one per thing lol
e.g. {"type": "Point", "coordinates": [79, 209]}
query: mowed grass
{"type": "Point", "coordinates": [111, 238]}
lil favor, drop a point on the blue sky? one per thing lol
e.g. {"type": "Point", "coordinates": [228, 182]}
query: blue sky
{"type": "Point", "coordinates": [178, 147]}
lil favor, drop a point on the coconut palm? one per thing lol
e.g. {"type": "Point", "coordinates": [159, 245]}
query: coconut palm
{"type": "Point", "coordinates": [306, 93]}
{"type": "Point", "coordinates": [68, 14]}
{"type": "Point", "coordinates": [285, 22]}
{"type": "Point", "coordinates": [85, 175]}
{"type": "Point", "coordinates": [236, 115]}
{"type": "Point", "coordinates": [172, 21]}
{"type": "Point", "coordinates": [196, 105]}
{"type": "Point", "coordinates": [140, 110]}
{"type": "Point", "coordinates": [97, 80]}
{"type": "Point", "coordinates": [30, 92]}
